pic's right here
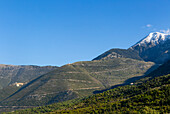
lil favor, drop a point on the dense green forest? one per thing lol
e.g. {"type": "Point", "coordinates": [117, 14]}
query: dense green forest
{"type": "Point", "coordinates": [152, 96]}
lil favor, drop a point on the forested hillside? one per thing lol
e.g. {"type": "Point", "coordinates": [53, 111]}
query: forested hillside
{"type": "Point", "coordinates": [152, 96]}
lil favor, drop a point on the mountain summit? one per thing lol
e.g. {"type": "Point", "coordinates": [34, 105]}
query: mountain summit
{"type": "Point", "coordinates": [153, 39]}
{"type": "Point", "coordinates": [155, 47]}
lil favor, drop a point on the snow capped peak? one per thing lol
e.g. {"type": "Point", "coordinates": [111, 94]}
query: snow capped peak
{"type": "Point", "coordinates": [154, 38]}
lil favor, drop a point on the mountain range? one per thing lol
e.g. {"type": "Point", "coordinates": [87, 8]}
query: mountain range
{"type": "Point", "coordinates": [80, 79]}
{"type": "Point", "coordinates": [150, 94]}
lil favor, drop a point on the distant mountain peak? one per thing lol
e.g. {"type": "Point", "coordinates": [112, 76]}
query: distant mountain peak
{"type": "Point", "coordinates": [154, 47]}
{"type": "Point", "coordinates": [154, 38]}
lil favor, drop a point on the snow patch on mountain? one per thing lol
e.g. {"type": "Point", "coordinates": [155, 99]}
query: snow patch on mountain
{"type": "Point", "coordinates": [154, 38]}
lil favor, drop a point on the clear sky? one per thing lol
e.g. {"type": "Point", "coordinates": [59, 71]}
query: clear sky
{"type": "Point", "coordinates": [57, 32]}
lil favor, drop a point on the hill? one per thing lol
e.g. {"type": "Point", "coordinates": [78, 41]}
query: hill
{"type": "Point", "coordinates": [152, 96]}
{"type": "Point", "coordinates": [77, 80]}
{"type": "Point", "coordinates": [9, 74]}
{"type": "Point", "coordinates": [7, 91]}
{"type": "Point", "coordinates": [119, 53]}
{"type": "Point", "coordinates": [163, 69]}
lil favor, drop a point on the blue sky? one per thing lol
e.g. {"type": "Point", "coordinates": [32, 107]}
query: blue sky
{"type": "Point", "coordinates": [57, 32]}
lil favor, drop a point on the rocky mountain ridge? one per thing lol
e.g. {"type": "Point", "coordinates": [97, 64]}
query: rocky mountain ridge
{"type": "Point", "coordinates": [155, 47]}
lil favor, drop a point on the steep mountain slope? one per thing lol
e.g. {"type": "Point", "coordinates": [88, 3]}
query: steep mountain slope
{"type": "Point", "coordinates": [164, 69]}
{"type": "Point", "coordinates": [119, 53]}
{"type": "Point", "coordinates": [10, 74]}
{"type": "Point", "coordinates": [77, 80]}
{"type": "Point", "coordinates": [155, 47]}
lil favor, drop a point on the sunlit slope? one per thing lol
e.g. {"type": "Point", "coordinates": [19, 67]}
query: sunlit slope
{"type": "Point", "coordinates": [77, 80]}
{"type": "Point", "coordinates": [152, 95]}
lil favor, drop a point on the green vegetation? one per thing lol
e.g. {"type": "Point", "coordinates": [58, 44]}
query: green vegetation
{"type": "Point", "coordinates": [42, 109]}
{"type": "Point", "coordinates": [153, 96]}
{"type": "Point", "coordinates": [7, 91]}
{"type": "Point", "coordinates": [76, 81]}
{"type": "Point", "coordinates": [164, 69]}
{"type": "Point", "coordinates": [10, 74]}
